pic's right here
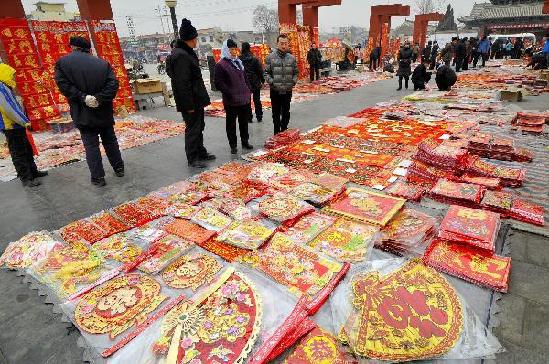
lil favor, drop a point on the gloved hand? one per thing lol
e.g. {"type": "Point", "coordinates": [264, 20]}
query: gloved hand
{"type": "Point", "coordinates": [91, 101]}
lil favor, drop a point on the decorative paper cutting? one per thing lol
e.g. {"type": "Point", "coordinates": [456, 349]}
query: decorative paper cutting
{"type": "Point", "coordinates": [308, 227]}
{"type": "Point", "coordinates": [410, 314]}
{"type": "Point", "coordinates": [191, 271]}
{"type": "Point", "coordinates": [28, 250]}
{"type": "Point", "coordinates": [320, 347]}
{"type": "Point", "coordinates": [119, 304]}
{"type": "Point", "coordinates": [248, 234]}
{"type": "Point", "coordinates": [281, 207]}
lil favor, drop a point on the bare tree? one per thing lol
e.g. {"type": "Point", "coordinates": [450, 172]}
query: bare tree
{"type": "Point", "coordinates": [428, 6]}
{"type": "Point", "coordinates": [265, 20]}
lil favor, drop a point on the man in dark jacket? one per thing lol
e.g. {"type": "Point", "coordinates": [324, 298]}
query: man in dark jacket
{"type": "Point", "coordinates": [281, 74]}
{"type": "Point", "coordinates": [256, 78]}
{"type": "Point", "coordinates": [445, 78]}
{"type": "Point", "coordinates": [231, 80]}
{"type": "Point", "coordinates": [420, 76]}
{"type": "Point", "coordinates": [461, 54]}
{"type": "Point", "coordinates": [314, 58]}
{"type": "Point", "coordinates": [404, 71]}
{"type": "Point", "coordinates": [90, 86]}
{"type": "Point", "coordinates": [190, 94]}
{"type": "Point", "coordinates": [375, 58]}
{"type": "Point", "coordinates": [434, 54]}
{"type": "Point", "coordinates": [426, 53]}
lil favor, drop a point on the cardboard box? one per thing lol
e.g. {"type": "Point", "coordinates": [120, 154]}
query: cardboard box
{"type": "Point", "coordinates": [513, 96]}
{"type": "Point", "coordinates": [147, 86]}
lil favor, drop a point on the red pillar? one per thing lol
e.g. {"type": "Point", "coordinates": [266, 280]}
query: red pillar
{"type": "Point", "coordinates": [381, 14]}
{"type": "Point", "coordinates": [95, 9]}
{"type": "Point", "coordinates": [286, 12]}
{"type": "Point", "coordinates": [12, 9]}
{"type": "Point", "coordinates": [545, 7]}
{"type": "Point", "coordinates": [420, 27]}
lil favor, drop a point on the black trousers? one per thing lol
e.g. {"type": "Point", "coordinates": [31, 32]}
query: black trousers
{"type": "Point", "coordinates": [476, 57]}
{"type": "Point", "coordinates": [374, 63]}
{"type": "Point", "coordinates": [281, 110]}
{"type": "Point", "coordinates": [242, 113]}
{"type": "Point", "coordinates": [194, 137]}
{"type": "Point", "coordinates": [400, 78]}
{"type": "Point", "coordinates": [466, 64]}
{"type": "Point", "coordinates": [314, 71]}
{"type": "Point", "coordinates": [21, 153]}
{"type": "Point", "coordinates": [433, 63]}
{"type": "Point", "coordinates": [485, 56]}
{"type": "Point", "coordinates": [419, 86]}
{"type": "Point", "coordinates": [459, 63]}
{"type": "Point", "coordinates": [90, 139]}
{"type": "Point", "coordinates": [257, 105]}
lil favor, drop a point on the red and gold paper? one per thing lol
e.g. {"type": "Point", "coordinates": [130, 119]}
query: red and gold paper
{"type": "Point", "coordinates": [474, 265]}
{"type": "Point", "coordinates": [365, 206]}
{"type": "Point", "coordinates": [320, 347]}
{"type": "Point", "coordinates": [470, 226]}
{"type": "Point", "coordinates": [191, 271]}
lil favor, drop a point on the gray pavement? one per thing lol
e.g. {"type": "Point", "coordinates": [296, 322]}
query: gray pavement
{"type": "Point", "coordinates": [31, 333]}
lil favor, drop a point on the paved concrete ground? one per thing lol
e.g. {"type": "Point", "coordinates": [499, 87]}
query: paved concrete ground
{"type": "Point", "coordinates": [31, 333]}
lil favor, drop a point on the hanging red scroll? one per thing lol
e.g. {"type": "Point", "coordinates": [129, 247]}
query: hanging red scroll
{"type": "Point", "coordinates": [52, 39]}
{"type": "Point", "coordinates": [18, 44]}
{"type": "Point", "coordinates": [108, 47]}
{"type": "Point", "coordinates": [300, 43]}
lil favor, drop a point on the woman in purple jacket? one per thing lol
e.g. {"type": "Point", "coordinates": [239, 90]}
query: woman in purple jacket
{"type": "Point", "coordinates": [231, 80]}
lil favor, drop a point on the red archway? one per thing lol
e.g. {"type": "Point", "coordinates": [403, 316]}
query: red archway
{"type": "Point", "coordinates": [287, 10]}
{"type": "Point", "coordinates": [380, 18]}
{"type": "Point", "coordinates": [420, 27]}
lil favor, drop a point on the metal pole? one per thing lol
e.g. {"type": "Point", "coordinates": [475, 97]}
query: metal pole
{"type": "Point", "coordinates": [174, 22]}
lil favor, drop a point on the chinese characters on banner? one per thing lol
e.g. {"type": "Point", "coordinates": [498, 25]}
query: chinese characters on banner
{"type": "Point", "coordinates": [31, 79]}
{"type": "Point", "coordinates": [52, 39]}
{"type": "Point", "coordinates": [108, 47]}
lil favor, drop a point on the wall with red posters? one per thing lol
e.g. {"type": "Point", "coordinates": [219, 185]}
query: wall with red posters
{"type": "Point", "coordinates": [108, 47]}
{"type": "Point", "coordinates": [52, 40]}
{"type": "Point", "coordinates": [18, 44]}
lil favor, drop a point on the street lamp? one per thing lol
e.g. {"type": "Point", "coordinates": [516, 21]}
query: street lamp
{"type": "Point", "coordinates": [172, 4]}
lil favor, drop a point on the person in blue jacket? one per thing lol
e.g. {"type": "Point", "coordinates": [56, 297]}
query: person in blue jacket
{"type": "Point", "coordinates": [13, 123]}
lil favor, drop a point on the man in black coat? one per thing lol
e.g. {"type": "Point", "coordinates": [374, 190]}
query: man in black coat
{"type": "Point", "coordinates": [189, 91]}
{"type": "Point", "coordinates": [314, 58]}
{"type": "Point", "coordinates": [90, 86]}
{"type": "Point", "coordinates": [256, 77]}
{"type": "Point", "coordinates": [434, 54]}
{"type": "Point", "coordinates": [461, 53]}
{"type": "Point", "coordinates": [426, 53]}
{"type": "Point", "coordinates": [420, 76]}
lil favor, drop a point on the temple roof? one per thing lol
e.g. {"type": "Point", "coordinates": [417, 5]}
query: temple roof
{"type": "Point", "coordinates": [511, 11]}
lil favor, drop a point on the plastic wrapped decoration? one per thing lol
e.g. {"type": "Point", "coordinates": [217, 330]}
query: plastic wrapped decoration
{"type": "Point", "coordinates": [82, 230]}
{"type": "Point", "coordinates": [222, 323]}
{"type": "Point", "coordinates": [247, 234]}
{"type": "Point", "coordinates": [527, 211]}
{"type": "Point", "coordinates": [109, 224]}
{"type": "Point", "coordinates": [441, 155]}
{"type": "Point", "coordinates": [473, 265]}
{"type": "Point", "coordinates": [189, 231]}
{"type": "Point", "coordinates": [308, 227]}
{"type": "Point", "coordinates": [283, 208]}
{"type": "Point", "coordinates": [408, 233]}
{"type": "Point", "coordinates": [281, 139]}
{"type": "Point", "coordinates": [406, 190]}
{"type": "Point", "coordinates": [247, 190]}
{"type": "Point", "coordinates": [403, 310]}
{"type": "Point", "coordinates": [510, 177]}
{"type": "Point", "coordinates": [330, 181]}
{"type": "Point", "coordinates": [114, 313]}
{"type": "Point", "coordinates": [165, 251]}
{"type": "Point", "coordinates": [133, 214]}
{"type": "Point", "coordinates": [31, 248]}
{"type": "Point", "coordinates": [320, 346]}
{"type": "Point", "coordinates": [288, 182]}
{"type": "Point", "coordinates": [314, 194]}
{"type": "Point", "coordinates": [475, 227]}
{"type": "Point", "coordinates": [365, 206]}
{"type": "Point", "coordinates": [498, 201]}
{"type": "Point", "coordinates": [298, 268]}
{"type": "Point", "coordinates": [191, 271]}
{"type": "Point", "coordinates": [211, 219]}
{"type": "Point", "coordinates": [346, 241]}
{"type": "Point", "coordinates": [69, 268]}
{"type": "Point", "coordinates": [265, 172]}
{"type": "Point", "coordinates": [488, 182]}
{"type": "Point", "coordinates": [120, 248]}
{"type": "Point", "coordinates": [449, 192]}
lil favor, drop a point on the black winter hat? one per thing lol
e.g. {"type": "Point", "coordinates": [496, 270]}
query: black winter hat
{"type": "Point", "coordinates": [245, 47]}
{"type": "Point", "coordinates": [187, 31]}
{"type": "Point", "coordinates": [231, 44]}
{"type": "Point", "coordinates": [80, 42]}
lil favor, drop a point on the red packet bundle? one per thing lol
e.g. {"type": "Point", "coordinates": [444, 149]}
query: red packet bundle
{"type": "Point", "coordinates": [450, 192]}
{"type": "Point", "coordinates": [134, 214]}
{"type": "Point", "coordinates": [443, 156]}
{"type": "Point", "coordinates": [420, 172]}
{"type": "Point", "coordinates": [281, 139]}
{"type": "Point", "coordinates": [510, 177]}
{"type": "Point", "coordinates": [528, 212]}
{"type": "Point", "coordinates": [82, 230]}
{"type": "Point", "coordinates": [407, 234]}
{"type": "Point", "coordinates": [405, 190]}
{"type": "Point", "coordinates": [365, 206]}
{"type": "Point", "coordinates": [498, 201]}
{"type": "Point", "coordinates": [189, 231]}
{"type": "Point", "coordinates": [473, 265]}
{"type": "Point", "coordinates": [491, 183]}
{"type": "Point", "coordinates": [478, 228]}
{"type": "Point", "coordinates": [109, 224]}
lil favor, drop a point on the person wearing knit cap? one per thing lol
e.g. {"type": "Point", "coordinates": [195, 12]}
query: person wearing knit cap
{"type": "Point", "coordinates": [90, 86]}
{"type": "Point", "coordinates": [256, 77]}
{"type": "Point", "coordinates": [231, 80]}
{"type": "Point", "coordinates": [191, 96]}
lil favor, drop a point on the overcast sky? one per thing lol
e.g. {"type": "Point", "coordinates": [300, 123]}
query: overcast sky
{"type": "Point", "coordinates": [237, 14]}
